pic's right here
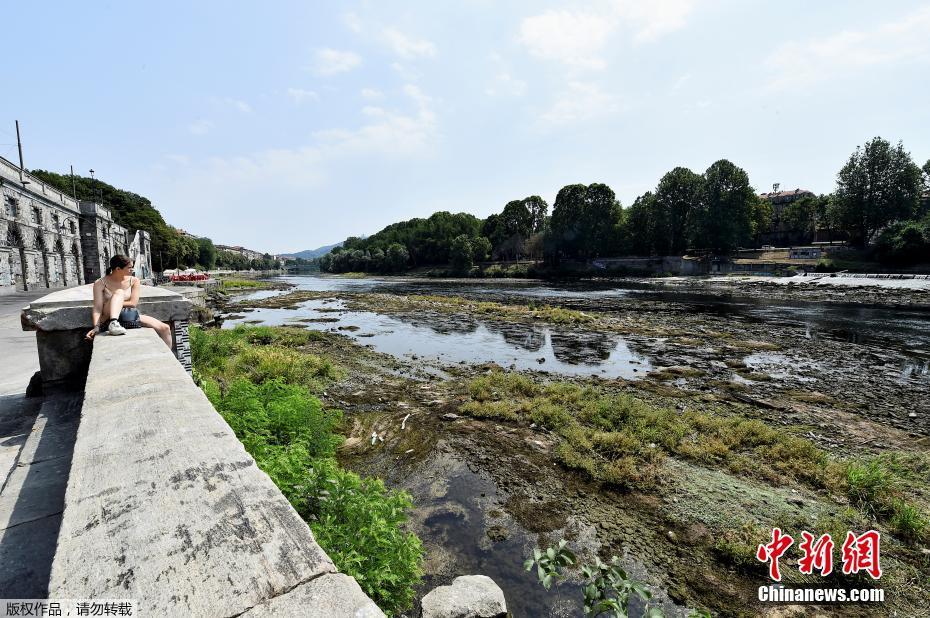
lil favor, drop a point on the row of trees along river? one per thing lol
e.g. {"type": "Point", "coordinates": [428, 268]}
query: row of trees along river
{"type": "Point", "coordinates": [880, 201]}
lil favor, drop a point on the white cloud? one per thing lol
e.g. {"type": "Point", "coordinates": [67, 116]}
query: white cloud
{"type": "Point", "coordinates": [849, 52]}
{"type": "Point", "coordinates": [372, 94]}
{"type": "Point", "coordinates": [301, 96]}
{"type": "Point", "coordinates": [238, 105]}
{"type": "Point", "coordinates": [388, 132]}
{"type": "Point", "coordinates": [352, 22]}
{"type": "Point", "coordinates": [332, 61]}
{"type": "Point", "coordinates": [405, 72]}
{"type": "Point", "coordinates": [651, 20]}
{"type": "Point", "coordinates": [575, 39]}
{"type": "Point", "coordinates": [580, 102]}
{"type": "Point", "coordinates": [579, 39]}
{"type": "Point", "coordinates": [200, 127]}
{"type": "Point", "coordinates": [505, 84]}
{"type": "Point", "coordinates": [407, 47]}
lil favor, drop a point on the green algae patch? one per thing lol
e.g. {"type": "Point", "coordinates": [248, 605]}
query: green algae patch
{"type": "Point", "coordinates": [622, 440]}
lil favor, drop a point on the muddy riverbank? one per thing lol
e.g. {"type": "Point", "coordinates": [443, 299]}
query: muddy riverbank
{"type": "Point", "coordinates": [489, 489]}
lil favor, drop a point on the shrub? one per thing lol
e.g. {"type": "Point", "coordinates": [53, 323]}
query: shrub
{"type": "Point", "coordinates": [267, 363]}
{"type": "Point", "coordinates": [360, 525]}
{"type": "Point", "coordinates": [264, 398]}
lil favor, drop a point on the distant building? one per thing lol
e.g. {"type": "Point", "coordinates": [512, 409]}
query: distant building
{"type": "Point", "coordinates": [780, 233]}
{"type": "Point", "coordinates": [246, 253]}
{"type": "Point", "coordinates": [185, 233]}
{"type": "Point", "coordinates": [780, 199]}
{"type": "Point", "coordinates": [50, 240]}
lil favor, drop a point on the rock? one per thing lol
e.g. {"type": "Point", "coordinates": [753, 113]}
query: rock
{"type": "Point", "coordinates": [469, 596]}
{"type": "Point", "coordinates": [450, 416]}
{"type": "Point", "coordinates": [541, 360]}
{"type": "Point", "coordinates": [498, 533]}
{"type": "Point", "coordinates": [912, 415]}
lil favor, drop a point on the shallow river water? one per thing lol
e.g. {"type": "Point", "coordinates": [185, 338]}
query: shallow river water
{"type": "Point", "coordinates": [568, 350]}
{"type": "Point", "coordinates": [458, 503]}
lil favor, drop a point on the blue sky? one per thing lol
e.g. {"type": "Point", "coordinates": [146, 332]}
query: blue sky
{"type": "Point", "coordinates": [283, 126]}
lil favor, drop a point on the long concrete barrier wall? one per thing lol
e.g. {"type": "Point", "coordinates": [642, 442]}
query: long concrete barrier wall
{"type": "Point", "coordinates": [165, 506]}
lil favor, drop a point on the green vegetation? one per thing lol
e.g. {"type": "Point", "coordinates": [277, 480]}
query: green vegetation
{"type": "Point", "coordinates": [879, 488]}
{"type": "Point", "coordinates": [170, 248]}
{"type": "Point", "coordinates": [262, 385]}
{"type": "Point", "coordinates": [717, 211]}
{"type": "Point", "coordinates": [606, 587]}
{"type": "Point", "coordinates": [904, 243]}
{"type": "Point", "coordinates": [879, 184]}
{"type": "Point", "coordinates": [622, 440]}
{"type": "Point", "coordinates": [245, 284]}
{"type": "Point", "coordinates": [532, 310]}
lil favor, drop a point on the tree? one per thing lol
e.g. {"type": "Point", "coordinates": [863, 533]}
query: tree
{"type": "Point", "coordinates": [584, 220]}
{"type": "Point", "coordinates": [396, 257]}
{"type": "Point", "coordinates": [601, 217]}
{"type": "Point", "coordinates": [480, 248]}
{"type": "Point", "coordinates": [567, 223]}
{"type": "Point", "coordinates": [638, 226]}
{"type": "Point", "coordinates": [539, 209]}
{"type": "Point", "coordinates": [517, 219]}
{"type": "Point", "coordinates": [879, 184]}
{"type": "Point", "coordinates": [904, 243]}
{"type": "Point", "coordinates": [725, 216]}
{"type": "Point", "coordinates": [678, 193]}
{"type": "Point", "coordinates": [460, 254]}
{"type": "Point", "coordinates": [130, 210]}
{"type": "Point", "coordinates": [206, 253]}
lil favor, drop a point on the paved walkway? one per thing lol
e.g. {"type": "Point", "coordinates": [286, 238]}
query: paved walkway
{"type": "Point", "coordinates": [17, 347]}
{"type": "Point", "coordinates": [36, 442]}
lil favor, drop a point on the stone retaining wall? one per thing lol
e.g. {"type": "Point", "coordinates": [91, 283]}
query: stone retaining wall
{"type": "Point", "coordinates": [165, 506]}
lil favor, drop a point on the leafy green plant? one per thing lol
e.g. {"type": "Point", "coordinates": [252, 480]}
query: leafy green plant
{"type": "Point", "coordinates": [607, 588]}
{"type": "Point", "coordinates": [549, 563]}
{"type": "Point", "coordinates": [257, 381]}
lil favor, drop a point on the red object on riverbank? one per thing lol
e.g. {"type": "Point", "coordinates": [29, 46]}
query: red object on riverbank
{"type": "Point", "coordinates": [189, 277]}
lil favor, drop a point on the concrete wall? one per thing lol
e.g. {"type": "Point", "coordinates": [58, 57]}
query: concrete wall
{"type": "Point", "coordinates": [165, 506]}
{"type": "Point", "coordinates": [660, 264]}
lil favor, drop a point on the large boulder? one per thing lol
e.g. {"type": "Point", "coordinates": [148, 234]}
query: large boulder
{"type": "Point", "coordinates": [469, 596]}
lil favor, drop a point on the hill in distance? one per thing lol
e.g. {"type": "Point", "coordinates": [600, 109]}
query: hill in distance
{"type": "Point", "coordinates": [309, 254]}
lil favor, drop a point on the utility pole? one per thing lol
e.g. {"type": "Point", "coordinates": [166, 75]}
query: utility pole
{"type": "Point", "coordinates": [19, 145]}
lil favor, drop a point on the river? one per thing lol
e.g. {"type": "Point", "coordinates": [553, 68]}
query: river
{"type": "Point", "coordinates": [484, 493]}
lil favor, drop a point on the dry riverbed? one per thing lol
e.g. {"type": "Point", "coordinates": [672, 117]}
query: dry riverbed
{"type": "Point", "coordinates": [765, 420]}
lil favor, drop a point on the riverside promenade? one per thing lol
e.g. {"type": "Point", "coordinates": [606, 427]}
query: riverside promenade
{"type": "Point", "coordinates": [37, 437]}
{"type": "Point", "coordinates": [127, 484]}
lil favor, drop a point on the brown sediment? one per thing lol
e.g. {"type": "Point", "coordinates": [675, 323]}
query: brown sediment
{"type": "Point", "coordinates": [685, 528]}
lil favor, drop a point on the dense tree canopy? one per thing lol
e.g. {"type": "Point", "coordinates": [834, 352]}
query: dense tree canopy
{"type": "Point", "coordinates": [879, 184]}
{"type": "Point", "coordinates": [679, 192]}
{"type": "Point", "coordinates": [716, 211]}
{"type": "Point", "coordinates": [585, 221]}
{"type": "Point", "coordinates": [725, 218]}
